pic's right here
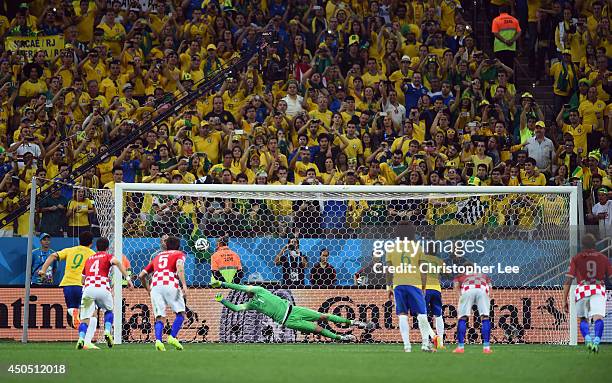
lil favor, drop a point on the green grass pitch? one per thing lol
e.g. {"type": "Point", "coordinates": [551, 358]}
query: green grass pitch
{"type": "Point", "coordinates": [293, 363]}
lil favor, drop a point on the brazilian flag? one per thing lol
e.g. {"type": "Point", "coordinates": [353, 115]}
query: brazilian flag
{"type": "Point", "coordinates": [200, 256]}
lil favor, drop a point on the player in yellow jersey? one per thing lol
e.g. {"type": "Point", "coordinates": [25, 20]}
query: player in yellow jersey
{"type": "Point", "coordinates": [75, 258]}
{"type": "Point", "coordinates": [406, 284]}
{"type": "Point", "coordinates": [433, 294]}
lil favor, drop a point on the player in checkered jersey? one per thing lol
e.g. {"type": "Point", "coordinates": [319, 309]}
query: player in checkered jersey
{"type": "Point", "coordinates": [97, 294]}
{"type": "Point", "coordinates": [167, 268]}
{"type": "Point", "coordinates": [590, 268]}
{"type": "Point", "coordinates": [473, 289]}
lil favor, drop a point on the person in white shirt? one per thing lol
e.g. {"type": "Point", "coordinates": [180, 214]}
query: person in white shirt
{"type": "Point", "coordinates": [295, 102]}
{"type": "Point", "coordinates": [541, 148]}
{"type": "Point", "coordinates": [389, 104]}
{"type": "Point", "coordinates": [602, 211]}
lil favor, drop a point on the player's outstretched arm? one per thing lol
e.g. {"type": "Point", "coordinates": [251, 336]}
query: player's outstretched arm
{"type": "Point", "coordinates": [230, 305]}
{"type": "Point", "coordinates": [234, 286]}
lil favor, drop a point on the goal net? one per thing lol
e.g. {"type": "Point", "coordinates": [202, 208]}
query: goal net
{"type": "Point", "coordinates": [323, 247]}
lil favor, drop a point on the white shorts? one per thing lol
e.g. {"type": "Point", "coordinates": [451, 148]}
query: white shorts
{"type": "Point", "coordinates": [164, 296]}
{"type": "Point", "coordinates": [590, 306]}
{"type": "Point", "coordinates": [473, 297]}
{"type": "Point", "coordinates": [95, 297]}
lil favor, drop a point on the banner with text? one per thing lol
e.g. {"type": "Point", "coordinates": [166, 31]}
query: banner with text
{"type": "Point", "coordinates": [517, 316]}
{"type": "Point", "coordinates": [51, 45]}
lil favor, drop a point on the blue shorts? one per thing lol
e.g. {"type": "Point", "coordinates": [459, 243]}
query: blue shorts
{"type": "Point", "coordinates": [433, 302]}
{"type": "Point", "coordinates": [72, 295]}
{"type": "Point", "coordinates": [409, 298]}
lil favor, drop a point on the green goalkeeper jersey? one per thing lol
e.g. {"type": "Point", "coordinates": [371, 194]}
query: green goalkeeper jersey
{"type": "Point", "coordinates": [264, 302]}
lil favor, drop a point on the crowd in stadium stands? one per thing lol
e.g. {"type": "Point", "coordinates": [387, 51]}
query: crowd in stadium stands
{"type": "Point", "coordinates": [347, 92]}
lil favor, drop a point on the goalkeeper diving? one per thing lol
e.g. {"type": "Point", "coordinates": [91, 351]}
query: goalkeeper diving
{"type": "Point", "coordinates": [287, 315]}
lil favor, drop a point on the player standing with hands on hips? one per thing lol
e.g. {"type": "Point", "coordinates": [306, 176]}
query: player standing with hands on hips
{"type": "Point", "coordinates": [165, 290]}
{"type": "Point", "coordinates": [590, 268]}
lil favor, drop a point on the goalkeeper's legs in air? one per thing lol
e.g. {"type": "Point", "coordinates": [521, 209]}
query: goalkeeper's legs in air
{"type": "Point", "coordinates": [303, 319]}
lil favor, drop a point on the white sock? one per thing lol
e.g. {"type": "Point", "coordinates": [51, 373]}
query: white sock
{"type": "Point", "coordinates": [91, 329]}
{"type": "Point", "coordinates": [404, 330]}
{"type": "Point", "coordinates": [425, 329]}
{"type": "Point", "coordinates": [439, 321]}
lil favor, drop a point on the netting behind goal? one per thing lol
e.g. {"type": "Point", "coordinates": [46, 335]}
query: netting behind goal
{"type": "Point", "coordinates": [321, 247]}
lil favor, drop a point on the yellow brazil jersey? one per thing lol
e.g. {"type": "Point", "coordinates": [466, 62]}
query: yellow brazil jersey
{"type": "Point", "coordinates": [325, 116]}
{"type": "Point", "coordinates": [209, 145]}
{"type": "Point", "coordinates": [556, 71]}
{"type": "Point", "coordinates": [301, 168]}
{"type": "Point", "coordinates": [75, 258]}
{"type": "Point", "coordinates": [589, 110]}
{"type": "Point", "coordinates": [433, 278]}
{"type": "Point", "coordinates": [113, 37]}
{"type": "Point", "coordinates": [354, 148]}
{"type": "Point", "coordinates": [579, 133]}
{"type": "Point", "coordinates": [281, 207]}
{"type": "Point", "coordinates": [539, 180]}
{"type": "Point", "coordinates": [80, 217]}
{"type": "Point", "coordinates": [410, 274]}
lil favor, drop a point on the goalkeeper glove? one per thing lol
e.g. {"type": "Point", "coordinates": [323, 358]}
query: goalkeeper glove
{"type": "Point", "coordinates": [219, 297]}
{"type": "Point", "coordinates": [216, 284]}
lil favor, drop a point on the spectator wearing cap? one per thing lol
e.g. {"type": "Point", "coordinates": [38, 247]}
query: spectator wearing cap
{"type": "Point", "coordinates": [565, 76]}
{"type": "Point", "coordinates": [351, 56]}
{"type": "Point", "coordinates": [602, 210]}
{"type": "Point", "coordinates": [212, 61]}
{"type": "Point", "coordinates": [541, 149]}
{"type": "Point", "coordinates": [402, 76]}
{"type": "Point", "coordinates": [39, 256]}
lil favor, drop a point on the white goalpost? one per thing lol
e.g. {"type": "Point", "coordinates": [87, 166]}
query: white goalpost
{"type": "Point", "coordinates": [282, 232]}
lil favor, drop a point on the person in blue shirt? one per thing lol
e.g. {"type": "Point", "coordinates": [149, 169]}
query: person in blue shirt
{"type": "Point", "coordinates": [39, 256]}
{"type": "Point", "coordinates": [413, 91]}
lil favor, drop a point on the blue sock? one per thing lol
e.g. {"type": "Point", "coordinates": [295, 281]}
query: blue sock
{"type": "Point", "coordinates": [485, 330]}
{"type": "Point", "coordinates": [108, 320]}
{"type": "Point", "coordinates": [599, 326]}
{"type": "Point", "coordinates": [82, 330]}
{"type": "Point", "coordinates": [159, 328]}
{"type": "Point", "coordinates": [461, 329]}
{"type": "Point", "coordinates": [584, 330]}
{"type": "Point", "coordinates": [176, 326]}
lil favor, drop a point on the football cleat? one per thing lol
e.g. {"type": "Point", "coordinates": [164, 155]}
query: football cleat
{"type": "Point", "coordinates": [73, 318]}
{"type": "Point", "coordinates": [594, 348]}
{"type": "Point", "coordinates": [174, 342]}
{"type": "Point", "coordinates": [437, 344]}
{"type": "Point", "coordinates": [90, 346]}
{"type": "Point", "coordinates": [80, 344]}
{"type": "Point", "coordinates": [348, 338]}
{"type": "Point", "coordinates": [109, 339]}
{"type": "Point", "coordinates": [459, 350]}
{"type": "Point", "coordinates": [407, 349]}
{"type": "Point", "coordinates": [159, 346]}
{"type": "Point", "coordinates": [487, 350]}
{"type": "Point", "coordinates": [427, 348]}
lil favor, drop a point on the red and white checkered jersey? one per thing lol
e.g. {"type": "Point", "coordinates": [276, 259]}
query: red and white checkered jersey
{"type": "Point", "coordinates": [590, 268]}
{"type": "Point", "coordinates": [473, 281]}
{"type": "Point", "coordinates": [96, 270]}
{"type": "Point", "coordinates": [163, 268]}
{"type": "Point", "coordinates": [586, 290]}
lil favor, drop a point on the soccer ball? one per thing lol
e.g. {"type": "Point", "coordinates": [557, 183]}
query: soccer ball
{"type": "Point", "coordinates": [202, 244]}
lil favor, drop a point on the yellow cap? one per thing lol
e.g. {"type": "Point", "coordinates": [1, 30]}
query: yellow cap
{"type": "Point", "coordinates": [211, 47]}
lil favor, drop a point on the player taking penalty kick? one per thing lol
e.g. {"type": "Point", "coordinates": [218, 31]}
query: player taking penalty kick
{"type": "Point", "coordinates": [282, 312]}
{"type": "Point", "coordinates": [590, 268]}
{"type": "Point", "coordinates": [167, 268]}
{"type": "Point", "coordinates": [75, 258]}
{"type": "Point", "coordinates": [97, 294]}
